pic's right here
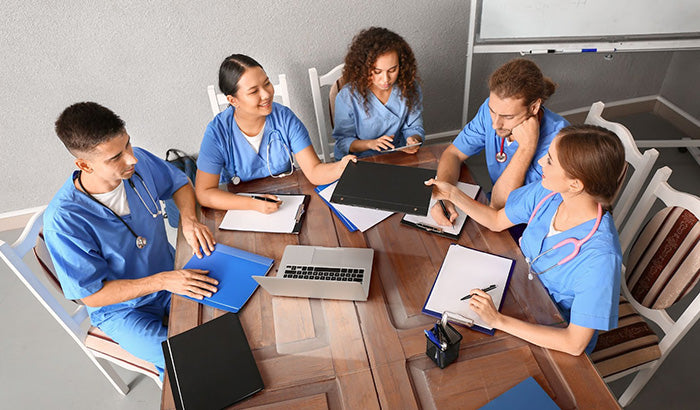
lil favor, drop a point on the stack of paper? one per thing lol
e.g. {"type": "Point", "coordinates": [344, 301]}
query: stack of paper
{"type": "Point", "coordinates": [353, 217]}
{"type": "Point", "coordinates": [285, 220]}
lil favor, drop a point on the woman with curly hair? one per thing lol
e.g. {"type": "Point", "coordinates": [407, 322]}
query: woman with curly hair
{"type": "Point", "coordinates": [380, 106]}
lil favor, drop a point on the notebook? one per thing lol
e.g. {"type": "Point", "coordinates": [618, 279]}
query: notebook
{"type": "Point", "coordinates": [357, 217]}
{"type": "Point", "coordinates": [211, 366]}
{"type": "Point", "coordinates": [233, 269]}
{"type": "Point", "coordinates": [287, 219]}
{"type": "Point", "coordinates": [427, 223]}
{"type": "Point", "coordinates": [388, 187]}
{"type": "Point", "coordinates": [525, 395]}
{"type": "Point", "coordinates": [322, 273]}
{"type": "Point", "coordinates": [462, 270]}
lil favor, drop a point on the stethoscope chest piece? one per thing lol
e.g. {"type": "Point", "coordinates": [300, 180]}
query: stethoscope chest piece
{"type": "Point", "coordinates": [501, 157]}
{"type": "Point", "coordinates": [236, 180]}
{"type": "Point", "coordinates": [141, 242]}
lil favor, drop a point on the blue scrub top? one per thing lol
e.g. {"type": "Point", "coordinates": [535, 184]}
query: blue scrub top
{"type": "Point", "coordinates": [89, 245]}
{"type": "Point", "coordinates": [352, 122]}
{"type": "Point", "coordinates": [587, 288]}
{"type": "Point", "coordinates": [479, 134]}
{"type": "Point", "coordinates": [226, 152]}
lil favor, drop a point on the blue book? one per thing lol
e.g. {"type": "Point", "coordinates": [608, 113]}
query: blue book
{"type": "Point", "coordinates": [234, 269]}
{"type": "Point", "coordinates": [525, 395]}
{"type": "Point", "coordinates": [351, 227]}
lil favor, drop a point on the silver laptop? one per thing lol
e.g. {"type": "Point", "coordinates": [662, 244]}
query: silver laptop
{"type": "Point", "coordinates": [320, 272]}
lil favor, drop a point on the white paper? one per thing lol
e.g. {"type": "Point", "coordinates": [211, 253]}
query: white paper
{"type": "Point", "coordinates": [469, 189]}
{"type": "Point", "coordinates": [362, 218]}
{"type": "Point", "coordinates": [465, 269]}
{"type": "Point", "coordinates": [281, 221]}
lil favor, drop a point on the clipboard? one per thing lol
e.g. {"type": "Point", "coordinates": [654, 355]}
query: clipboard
{"type": "Point", "coordinates": [428, 224]}
{"type": "Point", "coordinates": [288, 218]}
{"type": "Point", "coordinates": [463, 270]}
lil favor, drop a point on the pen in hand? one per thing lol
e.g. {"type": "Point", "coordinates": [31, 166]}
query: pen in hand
{"type": "Point", "coordinates": [264, 198]}
{"type": "Point", "coordinates": [444, 210]}
{"type": "Point", "coordinates": [492, 287]}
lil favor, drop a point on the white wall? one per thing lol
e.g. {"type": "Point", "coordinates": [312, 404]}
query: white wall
{"type": "Point", "coordinates": [150, 62]}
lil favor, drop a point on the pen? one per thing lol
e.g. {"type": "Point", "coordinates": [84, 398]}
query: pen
{"type": "Point", "coordinates": [444, 210]}
{"type": "Point", "coordinates": [431, 336]}
{"type": "Point", "coordinates": [492, 287]}
{"type": "Point", "coordinates": [264, 198]}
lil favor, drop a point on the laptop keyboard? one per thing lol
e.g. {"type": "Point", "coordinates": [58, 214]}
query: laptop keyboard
{"type": "Point", "coordinates": [323, 273]}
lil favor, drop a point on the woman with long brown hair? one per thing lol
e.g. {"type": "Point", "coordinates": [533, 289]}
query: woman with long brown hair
{"type": "Point", "coordinates": [380, 105]}
{"type": "Point", "coordinates": [570, 242]}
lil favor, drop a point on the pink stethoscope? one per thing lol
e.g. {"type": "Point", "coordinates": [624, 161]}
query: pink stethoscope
{"type": "Point", "coordinates": [576, 242]}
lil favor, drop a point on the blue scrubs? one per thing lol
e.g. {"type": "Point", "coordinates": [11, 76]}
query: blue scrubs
{"type": "Point", "coordinates": [587, 288]}
{"type": "Point", "coordinates": [479, 134]}
{"type": "Point", "coordinates": [89, 245]}
{"type": "Point", "coordinates": [352, 122]}
{"type": "Point", "coordinates": [226, 152]}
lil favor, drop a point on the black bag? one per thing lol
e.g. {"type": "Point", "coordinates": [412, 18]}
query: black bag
{"type": "Point", "coordinates": [188, 165]}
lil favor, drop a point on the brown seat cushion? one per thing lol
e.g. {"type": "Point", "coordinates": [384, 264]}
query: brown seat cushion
{"type": "Point", "coordinates": [98, 341]}
{"type": "Point", "coordinates": [629, 345]}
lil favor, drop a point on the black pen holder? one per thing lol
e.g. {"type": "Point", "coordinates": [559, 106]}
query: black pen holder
{"type": "Point", "coordinates": [449, 351]}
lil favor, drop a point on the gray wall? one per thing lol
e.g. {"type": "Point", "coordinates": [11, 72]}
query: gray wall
{"type": "Point", "coordinates": [681, 84]}
{"type": "Point", "coordinates": [151, 63]}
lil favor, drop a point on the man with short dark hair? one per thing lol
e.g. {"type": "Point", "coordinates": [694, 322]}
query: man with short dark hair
{"type": "Point", "coordinates": [107, 240]}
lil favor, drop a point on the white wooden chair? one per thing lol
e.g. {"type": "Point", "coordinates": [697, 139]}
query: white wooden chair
{"type": "Point", "coordinates": [218, 101]}
{"type": "Point", "coordinates": [642, 164]}
{"type": "Point", "coordinates": [663, 265]}
{"type": "Point", "coordinates": [98, 347]}
{"type": "Point", "coordinates": [333, 80]}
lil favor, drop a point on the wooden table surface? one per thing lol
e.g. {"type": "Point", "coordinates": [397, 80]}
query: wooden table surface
{"type": "Point", "coordinates": [316, 353]}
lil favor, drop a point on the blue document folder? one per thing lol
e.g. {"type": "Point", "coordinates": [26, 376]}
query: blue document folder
{"type": "Point", "coordinates": [351, 227]}
{"type": "Point", "coordinates": [233, 268]}
{"type": "Point", "coordinates": [525, 395]}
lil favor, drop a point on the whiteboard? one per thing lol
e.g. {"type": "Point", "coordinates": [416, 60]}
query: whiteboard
{"type": "Point", "coordinates": [593, 19]}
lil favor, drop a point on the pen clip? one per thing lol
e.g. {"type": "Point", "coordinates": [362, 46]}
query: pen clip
{"type": "Point", "coordinates": [300, 212]}
{"type": "Point", "coordinates": [429, 228]}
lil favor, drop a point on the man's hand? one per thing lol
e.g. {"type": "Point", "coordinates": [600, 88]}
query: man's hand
{"type": "Point", "coordinates": [527, 133]}
{"type": "Point", "coordinates": [188, 282]}
{"type": "Point", "coordinates": [198, 236]}
{"type": "Point", "coordinates": [413, 139]}
{"type": "Point", "coordinates": [382, 143]}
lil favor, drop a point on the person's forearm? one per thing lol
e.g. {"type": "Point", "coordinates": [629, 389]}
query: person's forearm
{"type": "Point", "coordinates": [493, 219]}
{"type": "Point", "coordinates": [449, 167]}
{"type": "Point", "coordinates": [359, 145]}
{"type": "Point", "coordinates": [217, 199]}
{"type": "Point", "coordinates": [321, 173]}
{"type": "Point", "coordinates": [513, 177]}
{"type": "Point", "coordinates": [117, 291]}
{"type": "Point", "coordinates": [561, 339]}
{"type": "Point", "coordinates": [185, 202]}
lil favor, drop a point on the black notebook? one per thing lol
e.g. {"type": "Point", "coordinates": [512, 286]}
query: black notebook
{"type": "Point", "coordinates": [211, 366]}
{"type": "Point", "coordinates": [382, 186]}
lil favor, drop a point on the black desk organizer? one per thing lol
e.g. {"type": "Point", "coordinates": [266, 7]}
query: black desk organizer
{"type": "Point", "coordinates": [449, 351]}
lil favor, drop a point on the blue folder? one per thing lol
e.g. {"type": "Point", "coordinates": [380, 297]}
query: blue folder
{"type": "Point", "coordinates": [525, 395]}
{"type": "Point", "coordinates": [233, 268]}
{"type": "Point", "coordinates": [351, 227]}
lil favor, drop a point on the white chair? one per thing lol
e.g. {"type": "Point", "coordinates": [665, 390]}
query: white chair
{"type": "Point", "coordinates": [642, 164]}
{"type": "Point", "coordinates": [662, 267]}
{"type": "Point", "coordinates": [218, 101]}
{"type": "Point", "coordinates": [98, 347]}
{"type": "Point", "coordinates": [332, 79]}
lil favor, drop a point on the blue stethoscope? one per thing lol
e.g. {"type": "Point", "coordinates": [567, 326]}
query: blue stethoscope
{"type": "Point", "coordinates": [273, 135]}
{"type": "Point", "coordinates": [576, 242]}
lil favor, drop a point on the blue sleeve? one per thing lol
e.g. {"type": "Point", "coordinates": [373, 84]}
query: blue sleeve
{"type": "Point", "coordinates": [472, 139]}
{"type": "Point", "coordinates": [344, 131]}
{"type": "Point", "coordinates": [414, 120]}
{"type": "Point", "coordinates": [522, 201]}
{"type": "Point", "coordinates": [166, 178]}
{"type": "Point", "coordinates": [211, 155]}
{"type": "Point", "coordinates": [80, 267]}
{"type": "Point", "coordinates": [296, 132]}
{"type": "Point", "coordinates": [597, 292]}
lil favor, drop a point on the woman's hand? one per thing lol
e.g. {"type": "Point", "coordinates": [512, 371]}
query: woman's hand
{"type": "Point", "coordinates": [413, 139]}
{"type": "Point", "coordinates": [439, 215]}
{"type": "Point", "coordinates": [482, 304]}
{"type": "Point", "coordinates": [198, 236]}
{"type": "Point", "coordinates": [266, 207]}
{"type": "Point", "coordinates": [441, 189]}
{"type": "Point", "coordinates": [382, 143]}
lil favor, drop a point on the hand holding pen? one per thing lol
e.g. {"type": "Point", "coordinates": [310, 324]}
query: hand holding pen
{"type": "Point", "coordinates": [482, 304]}
{"type": "Point", "coordinates": [266, 203]}
{"type": "Point", "coordinates": [486, 289]}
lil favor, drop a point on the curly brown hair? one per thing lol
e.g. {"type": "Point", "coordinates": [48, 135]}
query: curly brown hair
{"type": "Point", "coordinates": [366, 47]}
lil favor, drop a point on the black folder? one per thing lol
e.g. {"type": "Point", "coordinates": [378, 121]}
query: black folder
{"type": "Point", "coordinates": [211, 366]}
{"type": "Point", "coordinates": [383, 186]}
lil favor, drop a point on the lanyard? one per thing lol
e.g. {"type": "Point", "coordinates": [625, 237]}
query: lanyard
{"type": "Point", "coordinates": [576, 242]}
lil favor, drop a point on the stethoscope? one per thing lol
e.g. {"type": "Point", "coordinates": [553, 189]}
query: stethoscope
{"type": "Point", "coordinates": [576, 242]}
{"type": "Point", "coordinates": [140, 240]}
{"type": "Point", "coordinates": [501, 155]}
{"type": "Point", "coordinates": [237, 180]}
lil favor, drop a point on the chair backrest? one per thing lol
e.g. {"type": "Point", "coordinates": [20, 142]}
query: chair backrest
{"type": "Point", "coordinates": [218, 101]}
{"type": "Point", "coordinates": [642, 164]}
{"type": "Point", "coordinates": [663, 263]}
{"type": "Point", "coordinates": [333, 80]}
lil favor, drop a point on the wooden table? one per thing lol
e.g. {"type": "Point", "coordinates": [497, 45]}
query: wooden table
{"type": "Point", "coordinates": [367, 355]}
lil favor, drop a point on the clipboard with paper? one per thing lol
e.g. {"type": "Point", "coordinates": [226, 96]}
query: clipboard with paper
{"type": "Point", "coordinates": [427, 223]}
{"type": "Point", "coordinates": [287, 219]}
{"type": "Point", "coordinates": [462, 270]}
